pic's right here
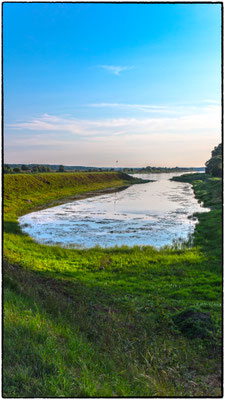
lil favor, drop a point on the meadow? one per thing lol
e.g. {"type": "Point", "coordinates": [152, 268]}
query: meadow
{"type": "Point", "coordinates": [116, 322]}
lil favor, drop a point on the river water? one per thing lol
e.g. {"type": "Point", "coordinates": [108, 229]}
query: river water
{"type": "Point", "coordinates": [155, 213]}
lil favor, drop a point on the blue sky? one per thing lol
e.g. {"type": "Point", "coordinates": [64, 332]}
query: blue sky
{"type": "Point", "coordinates": [89, 84]}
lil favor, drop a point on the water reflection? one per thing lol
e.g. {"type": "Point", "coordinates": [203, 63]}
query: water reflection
{"type": "Point", "coordinates": [154, 213]}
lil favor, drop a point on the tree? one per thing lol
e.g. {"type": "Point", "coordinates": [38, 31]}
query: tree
{"type": "Point", "coordinates": [217, 151]}
{"type": "Point", "coordinates": [24, 167]}
{"type": "Point", "coordinates": [16, 169]}
{"type": "Point", "coordinates": [7, 169]}
{"type": "Point", "coordinates": [35, 168]}
{"type": "Point", "coordinates": [214, 165]}
{"type": "Point", "coordinates": [61, 168]}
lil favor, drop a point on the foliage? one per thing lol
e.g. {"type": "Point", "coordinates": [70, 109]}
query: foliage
{"type": "Point", "coordinates": [214, 165]}
{"type": "Point", "coordinates": [24, 167]}
{"type": "Point", "coordinates": [7, 169]}
{"type": "Point", "coordinates": [61, 168]}
{"type": "Point", "coordinates": [16, 169]}
{"type": "Point", "coordinates": [74, 168]}
{"type": "Point", "coordinates": [155, 170]}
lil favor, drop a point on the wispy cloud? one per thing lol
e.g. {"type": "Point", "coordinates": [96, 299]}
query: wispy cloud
{"type": "Point", "coordinates": [202, 107]}
{"type": "Point", "coordinates": [115, 69]}
{"type": "Point", "coordinates": [185, 139]}
{"type": "Point", "coordinates": [198, 121]}
{"type": "Point", "coordinates": [142, 107]}
{"type": "Point", "coordinates": [146, 108]}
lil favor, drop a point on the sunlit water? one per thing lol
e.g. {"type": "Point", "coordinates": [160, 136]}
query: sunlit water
{"type": "Point", "coordinates": [155, 213]}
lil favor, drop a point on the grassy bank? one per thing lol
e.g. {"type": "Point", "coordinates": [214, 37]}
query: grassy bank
{"type": "Point", "coordinates": [208, 234]}
{"type": "Point", "coordinates": [109, 322]}
{"type": "Point", "coordinates": [23, 193]}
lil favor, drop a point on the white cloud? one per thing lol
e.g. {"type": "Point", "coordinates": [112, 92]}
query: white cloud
{"type": "Point", "coordinates": [185, 138]}
{"type": "Point", "coordinates": [115, 69]}
{"type": "Point", "coordinates": [181, 121]}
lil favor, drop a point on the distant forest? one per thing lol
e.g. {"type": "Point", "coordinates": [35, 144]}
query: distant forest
{"type": "Point", "coordinates": [37, 168]}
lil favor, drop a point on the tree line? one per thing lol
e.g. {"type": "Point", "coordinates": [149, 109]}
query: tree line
{"type": "Point", "coordinates": [213, 167]}
{"type": "Point", "coordinates": [28, 169]}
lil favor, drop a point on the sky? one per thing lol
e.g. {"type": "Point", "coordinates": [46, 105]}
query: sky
{"type": "Point", "coordinates": [126, 85]}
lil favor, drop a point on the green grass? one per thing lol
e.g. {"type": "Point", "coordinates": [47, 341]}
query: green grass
{"type": "Point", "coordinates": [100, 322]}
{"type": "Point", "coordinates": [23, 193]}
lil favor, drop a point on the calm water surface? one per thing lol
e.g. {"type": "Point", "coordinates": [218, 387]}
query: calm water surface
{"type": "Point", "coordinates": [155, 213]}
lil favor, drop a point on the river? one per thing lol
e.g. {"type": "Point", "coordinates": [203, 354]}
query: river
{"type": "Point", "coordinates": [155, 213]}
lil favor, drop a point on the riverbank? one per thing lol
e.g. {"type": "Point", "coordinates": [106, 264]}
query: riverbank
{"type": "Point", "coordinates": [23, 193]}
{"type": "Point", "coordinates": [153, 214]}
{"type": "Point", "coordinates": [103, 322]}
{"type": "Point", "coordinates": [208, 191]}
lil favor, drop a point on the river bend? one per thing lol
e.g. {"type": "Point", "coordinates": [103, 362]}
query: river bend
{"type": "Point", "coordinates": [155, 213]}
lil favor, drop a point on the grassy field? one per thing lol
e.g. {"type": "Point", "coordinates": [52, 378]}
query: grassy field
{"type": "Point", "coordinates": [110, 322]}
